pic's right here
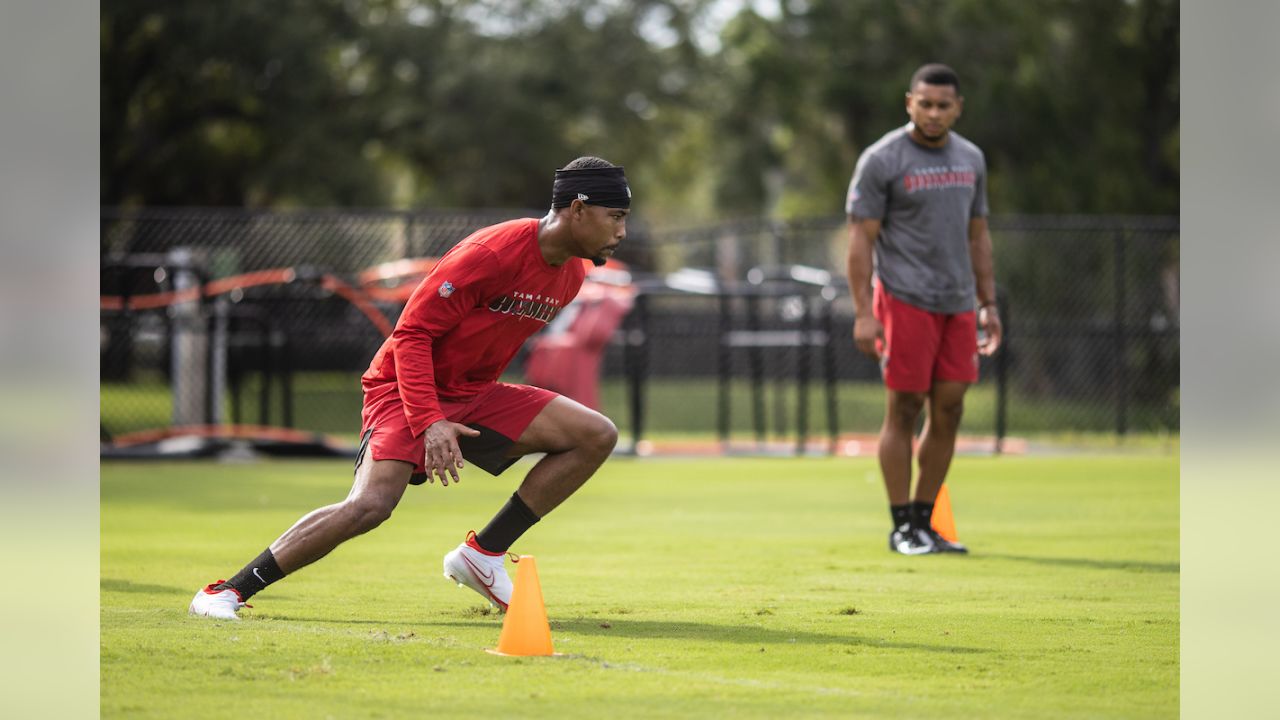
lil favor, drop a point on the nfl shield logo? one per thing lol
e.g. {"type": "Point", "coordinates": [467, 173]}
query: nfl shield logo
{"type": "Point", "coordinates": [446, 289]}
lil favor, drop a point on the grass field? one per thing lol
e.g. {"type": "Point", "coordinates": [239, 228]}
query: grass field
{"type": "Point", "coordinates": [675, 588]}
{"type": "Point", "coordinates": [330, 402]}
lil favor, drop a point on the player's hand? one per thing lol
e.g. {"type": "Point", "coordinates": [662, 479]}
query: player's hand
{"type": "Point", "coordinates": [868, 333]}
{"type": "Point", "coordinates": [444, 459]}
{"type": "Point", "coordinates": [989, 321]}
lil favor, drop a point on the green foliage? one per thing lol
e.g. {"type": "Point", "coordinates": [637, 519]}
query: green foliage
{"type": "Point", "coordinates": [1074, 103]}
{"type": "Point", "coordinates": [232, 103]}
{"type": "Point", "coordinates": [473, 102]}
{"type": "Point", "coordinates": [723, 588]}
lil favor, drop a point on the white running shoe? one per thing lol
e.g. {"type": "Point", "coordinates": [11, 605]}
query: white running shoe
{"type": "Point", "coordinates": [481, 572]}
{"type": "Point", "coordinates": [219, 604]}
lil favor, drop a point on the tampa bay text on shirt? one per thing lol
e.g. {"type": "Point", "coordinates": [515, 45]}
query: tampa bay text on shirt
{"type": "Point", "coordinates": [522, 305]}
{"type": "Point", "coordinates": [936, 178]}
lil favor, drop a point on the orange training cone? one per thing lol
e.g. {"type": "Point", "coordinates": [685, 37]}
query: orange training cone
{"type": "Point", "coordinates": [525, 630]}
{"type": "Point", "coordinates": [943, 523]}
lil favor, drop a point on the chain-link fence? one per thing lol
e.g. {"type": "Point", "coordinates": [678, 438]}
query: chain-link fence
{"type": "Point", "coordinates": [1090, 308]}
{"type": "Point", "coordinates": [308, 298]}
{"type": "Point", "coordinates": [229, 317]}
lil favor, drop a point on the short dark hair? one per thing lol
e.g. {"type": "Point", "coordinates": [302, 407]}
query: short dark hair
{"type": "Point", "coordinates": [587, 162]}
{"type": "Point", "coordinates": [935, 74]}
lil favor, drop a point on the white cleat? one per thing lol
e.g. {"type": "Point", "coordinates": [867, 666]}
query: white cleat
{"type": "Point", "coordinates": [217, 604]}
{"type": "Point", "coordinates": [483, 573]}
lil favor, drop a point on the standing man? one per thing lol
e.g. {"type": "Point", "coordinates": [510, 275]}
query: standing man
{"type": "Point", "coordinates": [432, 396]}
{"type": "Point", "coordinates": [917, 204]}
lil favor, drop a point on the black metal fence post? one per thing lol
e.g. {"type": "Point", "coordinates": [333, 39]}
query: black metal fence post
{"type": "Point", "coordinates": [268, 370]}
{"type": "Point", "coordinates": [637, 350]}
{"type": "Point", "coordinates": [802, 378]}
{"type": "Point", "coordinates": [286, 379]}
{"type": "Point", "coordinates": [210, 361]}
{"type": "Point", "coordinates": [756, 366]}
{"type": "Point", "coordinates": [1121, 374]}
{"type": "Point", "coordinates": [724, 369]}
{"type": "Point", "coordinates": [233, 391]}
{"type": "Point", "coordinates": [829, 371]}
{"type": "Point", "coordinates": [1002, 373]}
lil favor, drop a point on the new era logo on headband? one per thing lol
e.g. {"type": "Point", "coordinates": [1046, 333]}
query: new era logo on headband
{"type": "Point", "coordinates": [583, 197]}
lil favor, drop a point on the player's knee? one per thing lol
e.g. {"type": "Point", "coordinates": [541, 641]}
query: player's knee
{"type": "Point", "coordinates": [949, 413]}
{"type": "Point", "coordinates": [601, 435]}
{"type": "Point", "coordinates": [905, 408]}
{"type": "Point", "coordinates": [366, 512]}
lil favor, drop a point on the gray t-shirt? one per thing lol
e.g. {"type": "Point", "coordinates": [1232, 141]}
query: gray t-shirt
{"type": "Point", "coordinates": [924, 198]}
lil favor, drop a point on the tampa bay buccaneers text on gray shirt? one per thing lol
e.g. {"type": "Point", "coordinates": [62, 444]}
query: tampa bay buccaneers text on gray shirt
{"type": "Point", "coordinates": [924, 198]}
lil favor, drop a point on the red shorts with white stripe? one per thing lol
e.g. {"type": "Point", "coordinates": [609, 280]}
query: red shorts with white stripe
{"type": "Point", "coordinates": [921, 347]}
{"type": "Point", "coordinates": [501, 413]}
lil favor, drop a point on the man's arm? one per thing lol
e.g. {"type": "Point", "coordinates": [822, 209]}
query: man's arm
{"type": "Point", "coordinates": [866, 328]}
{"type": "Point", "coordinates": [985, 279]}
{"type": "Point", "coordinates": [415, 374]}
{"type": "Point", "coordinates": [432, 311]}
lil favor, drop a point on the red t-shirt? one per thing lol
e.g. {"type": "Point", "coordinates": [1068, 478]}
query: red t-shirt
{"type": "Point", "coordinates": [468, 318]}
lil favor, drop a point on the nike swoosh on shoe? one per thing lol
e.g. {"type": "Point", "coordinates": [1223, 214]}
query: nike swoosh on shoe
{"type": "Point", "coordinates": [486, 578]}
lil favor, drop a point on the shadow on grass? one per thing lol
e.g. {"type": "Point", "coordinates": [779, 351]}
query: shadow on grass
{"type": "Point", "coordinates": [1129, 565]}
{"type": "Point", "coordinates": [125, 586]}
{"type": "Point", "coordinates": [649, 629]}
{"type": "Point", "coordinates": [417, 620]}
{"type": "Point", "coordinates": [708, 632]}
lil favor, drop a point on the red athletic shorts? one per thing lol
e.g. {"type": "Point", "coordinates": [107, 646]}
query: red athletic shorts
{"type": "Point", "coordinates": [501, 413]}
{"type": "Point", "coordinates": [921, 347]}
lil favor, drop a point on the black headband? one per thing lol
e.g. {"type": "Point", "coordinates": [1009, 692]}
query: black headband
{"type": "Point", "coordinates": [605, 186]}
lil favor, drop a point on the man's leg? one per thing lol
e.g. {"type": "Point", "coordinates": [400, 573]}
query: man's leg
{"type": "Point", "coordinates": [955, 368]}
{"type": "Point", "coordinates": [937, 446]}
{"type": "Point", "coordinates": [576, 440]}
{"type": "Point", "coordinates": [902, 409]}
{"type": "Point", "coordinates": [376, 491]}
{"type": "Point", "coordinates": [938, 443]}
{"type": "Point", "coordinates": [907, 358]}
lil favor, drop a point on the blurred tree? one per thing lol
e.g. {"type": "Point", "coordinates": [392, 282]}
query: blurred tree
{"type": "Point", "coordinates": [1074, 101]}
{"type": "Point", "coordinates": [233, 103]}
{"type": "Point", "coordinates": [473, 102]}
{"type": "Point", "coordinates": [514, 93]}
{"type": "Point", "coordinates": [386, 101]}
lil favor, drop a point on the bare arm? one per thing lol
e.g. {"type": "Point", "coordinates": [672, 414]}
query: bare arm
{"type": "Point", "coordinates": [866, 328]}
{"type": "Point", "coordinates": [984, 277]}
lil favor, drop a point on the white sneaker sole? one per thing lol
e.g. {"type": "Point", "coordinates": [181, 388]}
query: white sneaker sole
{"type": "Point", "coordinates": [906, 549]}
{"type": "Point", "coordinates": [209, 612]}
{"type": "Point", "coordinates": [191, 609]}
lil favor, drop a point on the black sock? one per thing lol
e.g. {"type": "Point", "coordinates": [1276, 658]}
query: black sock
{"type": "Point", "coordinates": [922, 514]}
{"type": "Point", "coordinates": [255, 576]}
{"type": "Point", "coordinates": [901, 515]}
{"type": "Point", "coordinates": [507, 526]}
